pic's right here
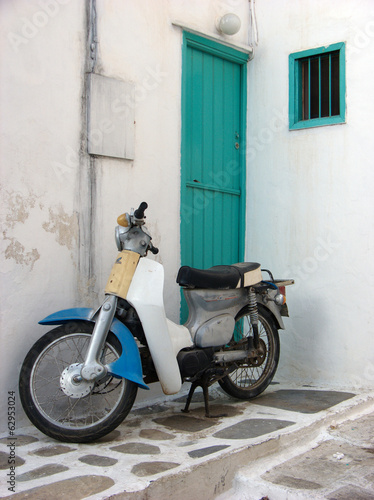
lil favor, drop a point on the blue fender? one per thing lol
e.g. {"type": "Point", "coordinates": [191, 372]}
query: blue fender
{"type": "Point", "coordinates": [128, 365]}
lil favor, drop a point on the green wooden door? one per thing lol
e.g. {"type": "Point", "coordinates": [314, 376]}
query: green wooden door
{"type": "Point", "coordinates": [213, 153]}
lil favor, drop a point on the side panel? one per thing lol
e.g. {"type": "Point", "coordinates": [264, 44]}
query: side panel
{"type": "Point", "coordinates": [146, 296]}
{"type": "Point", "coordinates": [206, 304]}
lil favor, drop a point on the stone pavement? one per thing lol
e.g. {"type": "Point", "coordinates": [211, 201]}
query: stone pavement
{"type": "Point", "coordinates": [260, 449]}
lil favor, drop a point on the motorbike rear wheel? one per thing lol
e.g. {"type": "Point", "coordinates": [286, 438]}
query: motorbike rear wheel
{"type": "Point", "coordinates": [253, 375]}
{"type": "Point", "coordinates": [78, 413]}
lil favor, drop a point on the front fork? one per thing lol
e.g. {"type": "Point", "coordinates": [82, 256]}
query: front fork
{"type": "Point", "coordinates": [92, 368]}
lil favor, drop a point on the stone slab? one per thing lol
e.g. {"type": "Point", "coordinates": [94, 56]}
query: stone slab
{"type": "Point", "coordinates": [76, 488]}
{"type": "Point", "coordinates": [151, 468]}
{"type": "Point", "coordinates": [203, 452]}
{"type": "Point", "coordinates": [98, 460]}
{"type": "Point", "coordinates": [4, 460]}
{"type": "Point", "coordinates": [52, 451]}
{"type": "Point", "coordinates": [43, 471]}
{"type": "Point", "coordinates": [303, 401]}
{"type": "Point", "coordinates": [155, 435]}
{"type": "Point", "coordinates": [219, 410]}
{"type": "Point", "coordinates": [185, 423]}
{"type": "Point", "coordinates": [295, 482]}
{"type": "Point", "coordinates": [251, 428]}
{"type": "Point", "coordinates": [137, 449]}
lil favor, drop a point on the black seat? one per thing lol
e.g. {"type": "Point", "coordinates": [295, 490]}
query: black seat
{"type": "Point", "coordinates": [220, 277]}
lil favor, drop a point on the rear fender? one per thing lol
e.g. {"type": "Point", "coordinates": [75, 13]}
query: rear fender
{"type": "Point", "coordinates": [128, 365]}
{"type": "Point", "coordinates": [275, 312]}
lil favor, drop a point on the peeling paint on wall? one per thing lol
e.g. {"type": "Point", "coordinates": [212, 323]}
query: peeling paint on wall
{"type": "Point", "coordinates": [64, 226]}
{"type": "Point", "coordinates": [18, 211]}
{"type": "Point", "coordinates": [18, 207]}
{"type": "Point", "coordinates": [16, 251]}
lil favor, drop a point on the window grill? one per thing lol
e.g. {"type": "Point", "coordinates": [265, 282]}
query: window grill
{"type": "Point", "coordinates": [317, 87]}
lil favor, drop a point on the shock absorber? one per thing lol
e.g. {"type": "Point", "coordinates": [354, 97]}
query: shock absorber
{"type": "Point", "coordinates": [253, 341]}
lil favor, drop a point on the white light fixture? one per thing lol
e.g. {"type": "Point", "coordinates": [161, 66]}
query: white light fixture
{"type": "Point", "coordinates": [229, 24]}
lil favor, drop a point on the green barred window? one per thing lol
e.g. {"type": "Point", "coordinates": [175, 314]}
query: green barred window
{"type": "Point", "coordinates": [317, 87]}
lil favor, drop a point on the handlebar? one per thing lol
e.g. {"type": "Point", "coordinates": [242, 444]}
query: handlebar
{"type": "Point", "coordinates": [153, 249]}
{"type": "Point", "coordinates": [139, 215]}
{"type": "Point", "coordinates": [139, 212]}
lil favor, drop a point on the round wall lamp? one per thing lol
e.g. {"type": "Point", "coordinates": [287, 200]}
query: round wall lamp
{"type": "Point", "coordinates": [229, 24]}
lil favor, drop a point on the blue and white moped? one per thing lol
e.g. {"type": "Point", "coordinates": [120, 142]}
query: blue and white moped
{"type": "Point", "coordinates": [79, 381]}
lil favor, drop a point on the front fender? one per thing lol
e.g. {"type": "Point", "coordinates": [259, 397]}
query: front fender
{"type": "Point", "coordinates": [128, 365]}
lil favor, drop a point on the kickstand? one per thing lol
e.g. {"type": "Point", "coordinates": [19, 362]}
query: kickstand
{"type": "Point", "coordinates": [204, 384]}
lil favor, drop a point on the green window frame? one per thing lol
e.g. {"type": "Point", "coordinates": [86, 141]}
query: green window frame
{"type": "Point", "coordinates": [317, 87]}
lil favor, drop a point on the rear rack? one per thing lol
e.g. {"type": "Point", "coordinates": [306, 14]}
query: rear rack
{"type": "Point", "coordinates": [279, 282]}
{"type": "Point", "coordinates": [284, 282]}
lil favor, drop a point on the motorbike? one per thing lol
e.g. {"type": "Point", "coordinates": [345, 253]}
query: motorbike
{"type": "Point", "coordinates": [79, 381]}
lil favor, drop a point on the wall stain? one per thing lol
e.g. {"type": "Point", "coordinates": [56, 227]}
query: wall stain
{"type": "Point", "coordinates": [63, 225]}
{"type": "Point", "coordinates": [86, 292]}
{"type": "Point", "coordinates": [16, 251]}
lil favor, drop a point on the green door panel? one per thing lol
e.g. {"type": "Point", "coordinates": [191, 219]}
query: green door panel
{"type": "Point", "coordinates": [212, 154]}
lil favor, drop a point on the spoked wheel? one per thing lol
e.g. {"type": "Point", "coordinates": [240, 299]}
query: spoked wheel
{"type": "Point", "coordinates": [255, 373]}
{"type": "Point", "coordinates": [55, 398]}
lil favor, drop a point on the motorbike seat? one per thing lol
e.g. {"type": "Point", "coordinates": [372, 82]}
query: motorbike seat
{"type": "Point", "coordinates": [221, 277]}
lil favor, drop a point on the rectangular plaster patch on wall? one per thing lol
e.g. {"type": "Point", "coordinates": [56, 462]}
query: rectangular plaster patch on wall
{"type": "Point", "coordinates": [110, 117]}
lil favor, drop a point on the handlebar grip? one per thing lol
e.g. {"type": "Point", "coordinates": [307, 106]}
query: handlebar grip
{"type": "Point", "coordinates": [154, 250]}
{"type": "Point", "coordinates": [139, 212]}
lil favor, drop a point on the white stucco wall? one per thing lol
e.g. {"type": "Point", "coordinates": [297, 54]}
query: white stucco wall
{"type": "Point", "coordinates": [40, 92]}
{"type": "Point", "coordinates": [60, 205]}
{"type": "Point", "coordinates": [310, 192]}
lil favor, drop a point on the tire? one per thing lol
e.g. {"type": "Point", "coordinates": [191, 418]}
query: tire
{"type": "Point", "coordinates": [85, 417]}
{"type": "Point", "coordinates": [252, 376]}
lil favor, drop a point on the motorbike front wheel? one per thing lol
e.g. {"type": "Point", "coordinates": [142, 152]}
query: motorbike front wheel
{"type": "Point", "coordinates": [60, 405]}
{"type": "Point", "coordinates": [253, 374]}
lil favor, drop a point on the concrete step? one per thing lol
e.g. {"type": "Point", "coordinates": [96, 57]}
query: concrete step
{"type": "Point", "coordinates": [160, 453]}
{"type": "Point", "coordinates": [338, 465]}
